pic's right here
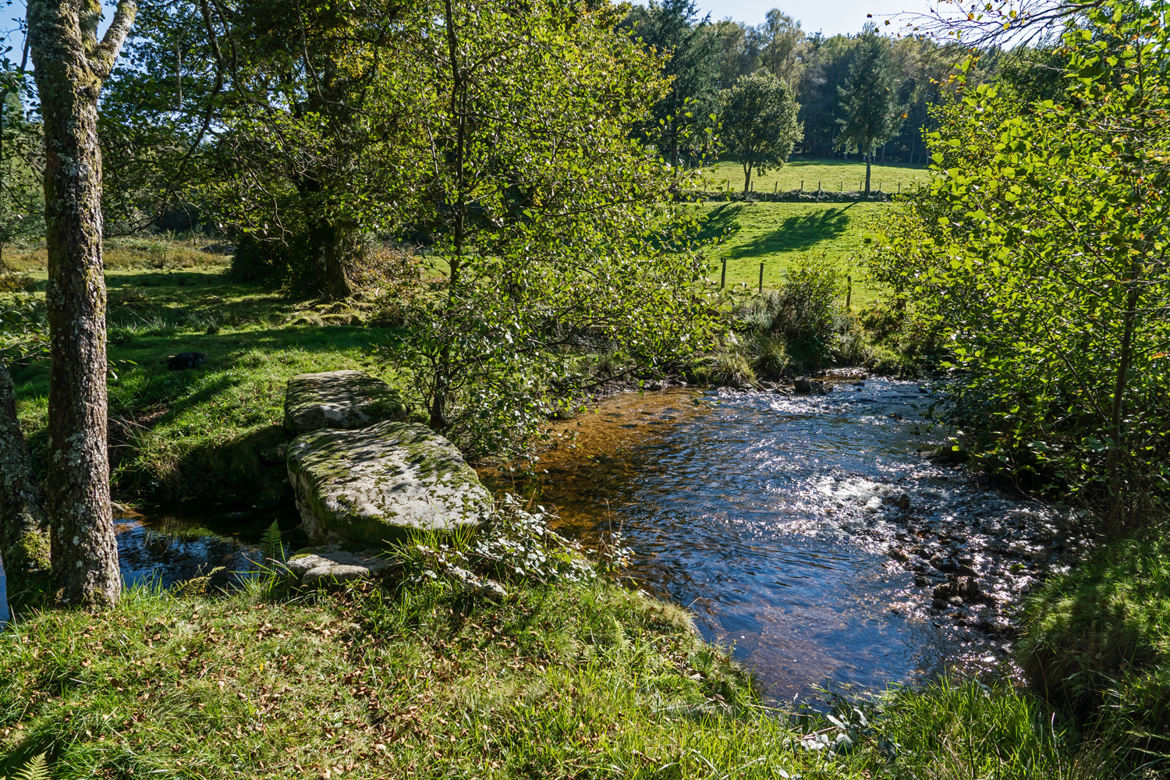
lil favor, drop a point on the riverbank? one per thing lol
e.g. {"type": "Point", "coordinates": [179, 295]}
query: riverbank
{"type": "Point", "coordinates": [573, 678]}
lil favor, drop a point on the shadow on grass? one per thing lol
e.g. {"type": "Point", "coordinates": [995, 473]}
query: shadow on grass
{"type": "Point", "coordinates": [242, 465]}
{"type": "Point", "coordinates": [720, 224]}
{"type": "Point", "coordinates": [799, 232]}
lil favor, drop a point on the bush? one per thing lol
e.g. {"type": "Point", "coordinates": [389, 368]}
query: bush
{"type": "Point", "coordinates": [801, 327]}
{"type": "Point", "coordinates": [724, 369]}
{"type": "Point", "coordinates": [1098, 644]}
{"type": "Point", "coordinates": [770, 356]}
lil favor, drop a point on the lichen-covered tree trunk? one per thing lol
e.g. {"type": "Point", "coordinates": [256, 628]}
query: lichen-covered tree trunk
{"type": "Point", "coordinates": [70, 67]}
{"type": "Point", "coordinates": [24, 537]}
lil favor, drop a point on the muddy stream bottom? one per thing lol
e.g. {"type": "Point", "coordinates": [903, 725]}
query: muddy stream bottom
{"type": "Point", "coordinates": [812, 534]}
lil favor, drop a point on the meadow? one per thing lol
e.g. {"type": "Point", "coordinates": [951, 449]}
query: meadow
{"type": "Point", "coordinates": [811, 173]}
{"type": "Point", "coordinates": [780, 235]}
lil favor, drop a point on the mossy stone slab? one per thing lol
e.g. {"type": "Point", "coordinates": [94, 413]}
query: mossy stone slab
{"type": "Point", "coordinates": [379, 483]}
{"type": "Point", "coordinates": [339, 399]}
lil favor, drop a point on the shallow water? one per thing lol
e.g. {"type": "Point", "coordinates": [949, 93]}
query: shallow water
{"type": "Point", "coordinates": [782, 522]}
{"type": "Point", "coordinates": [167, 550]}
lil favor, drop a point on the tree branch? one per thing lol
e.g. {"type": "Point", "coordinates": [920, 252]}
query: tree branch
{"type": "Point", "coordinates": [101, 62]}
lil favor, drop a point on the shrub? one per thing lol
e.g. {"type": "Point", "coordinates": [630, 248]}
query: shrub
{"type": "Point", "coordinates": [770, 356]}
{"type": "Point", "coordinates": [802, 312]}
{"type": "Point", "coordinates": [726, 369]}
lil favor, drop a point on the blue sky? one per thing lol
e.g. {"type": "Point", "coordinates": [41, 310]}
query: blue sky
{"type": "Point", "coordinates": [828, 16]}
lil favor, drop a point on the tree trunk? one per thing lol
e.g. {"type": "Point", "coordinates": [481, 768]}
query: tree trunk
{"type": "Point", "coordinates": [747, 178]}
{"type": "Point", "coordinates": [868, 162]}
{"type": "Point", "coordinates": [24, 536]}
{"type": "Point", "coordinates": [70, 68]}
{"type": "Point", "coordinates": [334, 248]}
{"type": "Point", "coordinates": [1119, 510]}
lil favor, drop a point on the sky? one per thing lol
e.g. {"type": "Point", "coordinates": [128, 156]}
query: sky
{"type": "Point", "coordinates": [828, 16]}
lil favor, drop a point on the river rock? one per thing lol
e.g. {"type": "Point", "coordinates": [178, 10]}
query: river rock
{"type": "Point", "coordinates": [339, 399]}
{"type": "Point", "coordinates": [805, 386]}
{"type": "Point", "coordinates": [376, 484]}
{"type": "Point", "coordinates": [333, 564]}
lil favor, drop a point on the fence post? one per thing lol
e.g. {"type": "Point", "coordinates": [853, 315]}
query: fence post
{"type": "Point", "coordinates": [820, 189]}
{"type": "Point", "coordinates": [849, 293]}
{"type": "Point", "coordinates": [775, 187]}
{"type": "Point", "coordinates": [802, 185]}
{"type": "Point", "coordinates": [761, 278]}
{"type": "Point", "coordinates": [723, 276]}
{"type": "Point", "coordinates": [899, 188]}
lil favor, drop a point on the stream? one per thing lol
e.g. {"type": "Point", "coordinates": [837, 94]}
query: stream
{"type": "Point", "coordinates": [812, 534]}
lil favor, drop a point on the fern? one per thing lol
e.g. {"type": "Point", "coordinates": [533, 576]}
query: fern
{"type": "Point", "coordinates": [273, 543]}
{"type": "Point", "coordinates": [36, 768]}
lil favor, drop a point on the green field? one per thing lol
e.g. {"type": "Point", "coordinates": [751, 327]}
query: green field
{"type": "Point", "coordinates": [832, 175]}
{"type": "Point", "coordinates": [781, 234]}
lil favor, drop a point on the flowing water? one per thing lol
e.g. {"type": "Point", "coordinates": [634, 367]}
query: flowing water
{"type": "Point", "coordinates": [812, 533]}
{"type": "Point", "coordinates": [809, 532]}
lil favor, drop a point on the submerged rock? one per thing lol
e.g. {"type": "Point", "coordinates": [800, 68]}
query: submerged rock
{"type": "Point", "coordinates": [374, 485]}
{"type": "Point", "coordinates": [339, 399]}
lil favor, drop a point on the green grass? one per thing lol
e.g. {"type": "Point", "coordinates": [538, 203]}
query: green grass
{"type": "Point", "coordinates": [781, 234]}
{"type": "Point", "coordinates": [1098, 642]}
{"type": "Point", "coordinates": [588, 680]}
{"type": "Point", "coordinates": [832, 175]}
{"type": "Point", "coordinates": [571, 679]}
{"type": "Point", "coordinates": [173, 433]}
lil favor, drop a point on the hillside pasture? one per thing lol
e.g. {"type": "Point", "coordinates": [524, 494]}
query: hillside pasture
{"type": "Point", "coordinates": [779, 235]}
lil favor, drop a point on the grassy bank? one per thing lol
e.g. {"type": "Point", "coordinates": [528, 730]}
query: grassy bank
{"type": "Point", "coordinates": [423, 678]}
{"type": "Point", "coordinates": [172, 431]}
{"type": "Point", "coordinates": [781, 235]}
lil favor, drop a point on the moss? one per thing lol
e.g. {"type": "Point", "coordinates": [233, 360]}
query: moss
{"type": "Point", "coordinates": [381, 483]}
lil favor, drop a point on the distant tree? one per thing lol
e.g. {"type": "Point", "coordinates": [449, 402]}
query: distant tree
{"type": "Point", "coordinates": [758, 123]}
{"type": "Point", "coordinates": [21, 199]}
{"type": "Point", "coordinates": [870, 112]}
{"type": "Point", "coordinates": [291, 150]}
{"type": "Point", "coordinates": [818, 92]}
{"type": "Point", "coordinates": [781, 41]}
{"type": "Point", "coordinates": [679, 120]}
{"type": "Point", "coordinates": [740, 47]}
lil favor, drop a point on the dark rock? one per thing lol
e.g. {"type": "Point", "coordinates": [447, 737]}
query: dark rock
{"type": "Point", "coordinates": [186, 360]}
{"type": "Point", "coordinates": [901, 501]}
{"type": "Point", "coordinates": [805, 386]}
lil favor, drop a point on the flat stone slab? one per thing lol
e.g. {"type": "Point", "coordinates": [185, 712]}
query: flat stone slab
{"type": "Point", "coordinates": [378, 484]}
{"type": "Point", "coordinates": [339, 399]}
{"type": "Point", "coordinates": [333, 564]}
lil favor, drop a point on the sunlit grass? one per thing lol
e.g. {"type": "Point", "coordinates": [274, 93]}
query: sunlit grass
{"type": "Point", "coordinates": [779, 235]}
{"type": "Point", "coordinates": [829, 175]}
